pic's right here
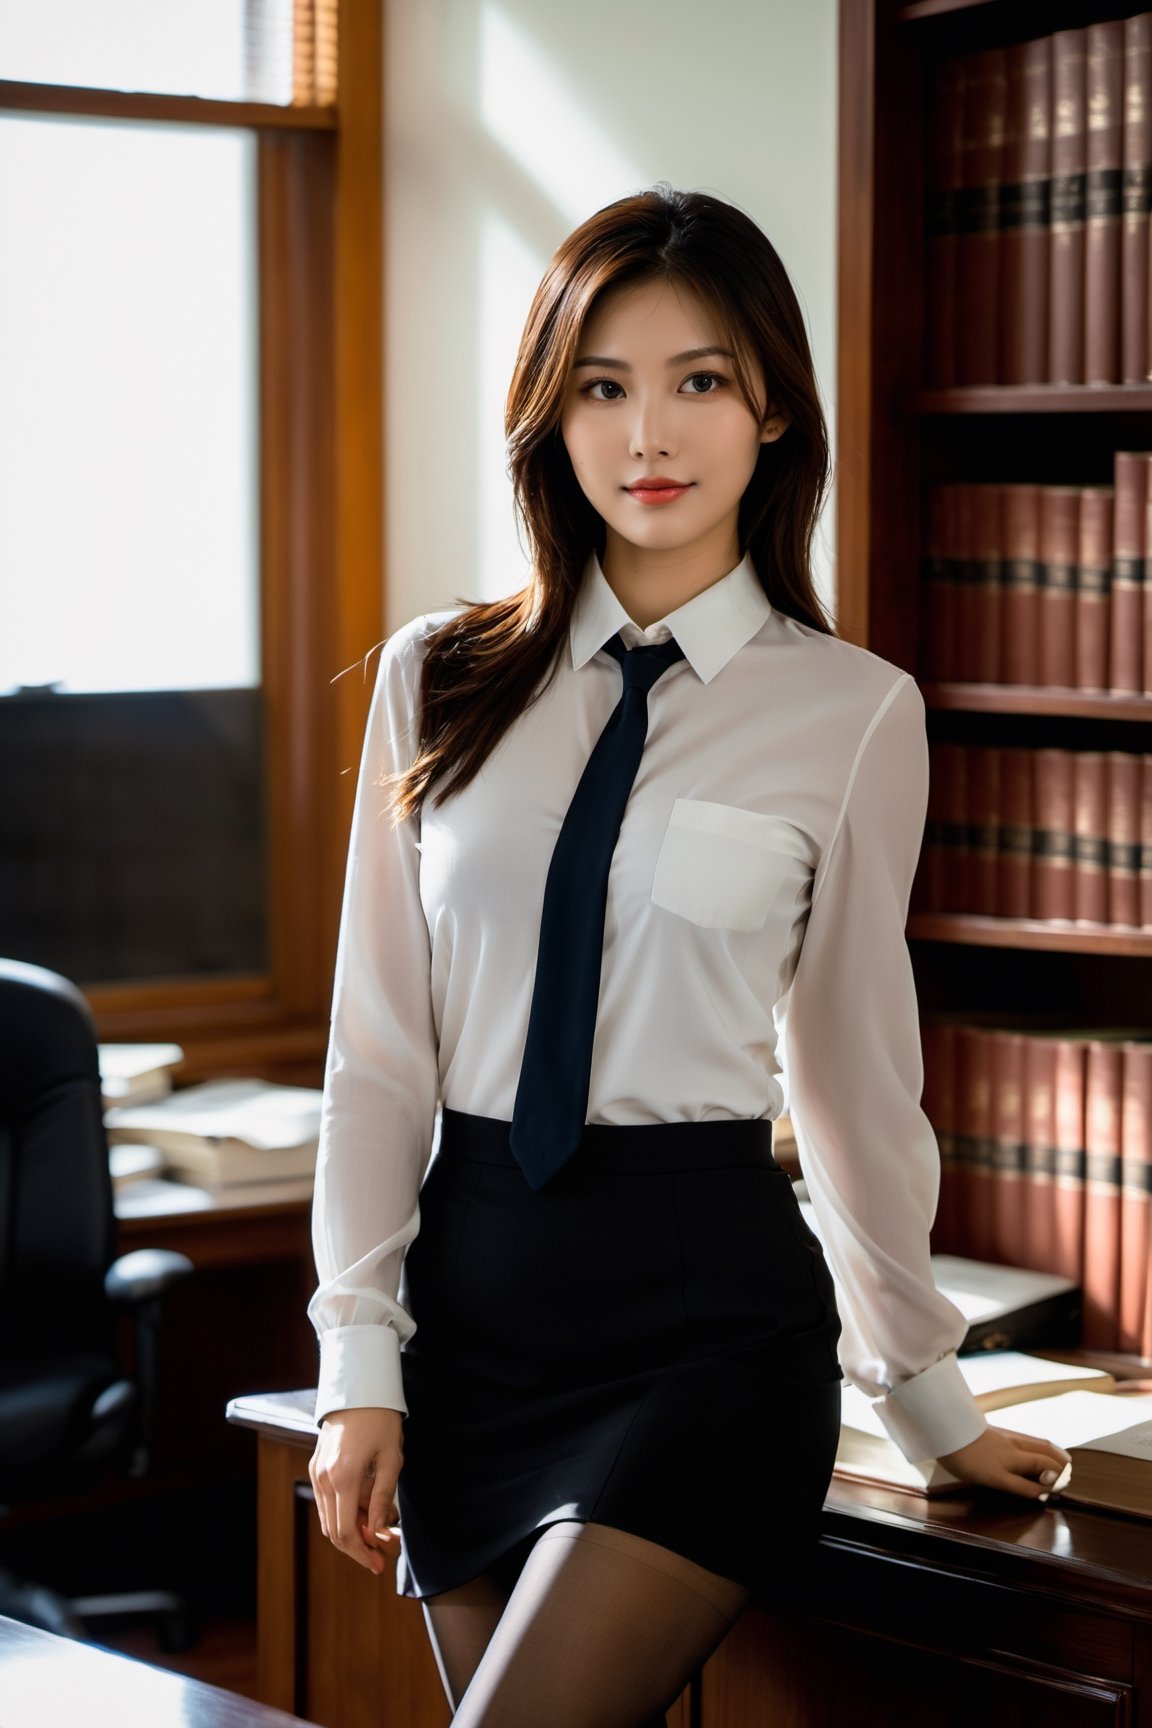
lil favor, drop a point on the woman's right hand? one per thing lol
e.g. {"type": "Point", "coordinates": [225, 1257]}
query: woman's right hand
{"type": "Point", "coordinates": [354, 1471]}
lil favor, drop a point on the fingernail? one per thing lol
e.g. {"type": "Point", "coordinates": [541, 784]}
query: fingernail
{"type": "Point", "coordinates": [1048, 1477]}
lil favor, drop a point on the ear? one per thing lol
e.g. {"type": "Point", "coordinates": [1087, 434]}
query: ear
{"type": "Point", "coordinates": [775, 425]}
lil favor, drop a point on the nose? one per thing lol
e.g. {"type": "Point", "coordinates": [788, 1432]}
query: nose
{"type": "Point", "coordinates": [650, 435]}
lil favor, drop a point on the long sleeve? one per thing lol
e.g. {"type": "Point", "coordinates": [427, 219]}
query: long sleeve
{"type": "Point", "coordinates": [380, 1085]}
{"type": "Point", "coordinates": [855, 1073]}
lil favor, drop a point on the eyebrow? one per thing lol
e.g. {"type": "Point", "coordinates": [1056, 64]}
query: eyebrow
{"type": "Point", "coordinates": [676, 360]}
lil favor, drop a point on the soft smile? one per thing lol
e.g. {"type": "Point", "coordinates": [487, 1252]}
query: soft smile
{"type": "Point", "coordinates": [659, 489]}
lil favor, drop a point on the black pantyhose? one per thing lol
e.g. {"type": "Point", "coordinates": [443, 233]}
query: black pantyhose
{"type": "Point", "coordinates": [601, 1629]}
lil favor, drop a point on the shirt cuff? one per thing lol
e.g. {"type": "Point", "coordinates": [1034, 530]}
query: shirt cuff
{"type": "Point", "coordinates": [933, 1413]}
{"type": "Point", "coordinates": [359, 1368]}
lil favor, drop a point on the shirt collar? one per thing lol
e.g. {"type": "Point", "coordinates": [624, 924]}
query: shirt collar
{"type": "Point", "coordinates": [711, 627]}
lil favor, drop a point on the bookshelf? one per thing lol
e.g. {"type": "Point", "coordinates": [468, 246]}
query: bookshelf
{"type": "Point", "coordinates": [902, 435]}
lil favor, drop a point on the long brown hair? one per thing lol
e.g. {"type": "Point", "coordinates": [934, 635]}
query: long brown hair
{"type": "Point", "coordinates": [487, 664]}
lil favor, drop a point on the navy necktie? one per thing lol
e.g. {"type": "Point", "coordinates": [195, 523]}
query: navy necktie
{"type": "Point", "coordinates": [552, 1097]}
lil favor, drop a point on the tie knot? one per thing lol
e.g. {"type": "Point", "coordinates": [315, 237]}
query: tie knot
{"type": "Point", "coordinates": [643, 666]}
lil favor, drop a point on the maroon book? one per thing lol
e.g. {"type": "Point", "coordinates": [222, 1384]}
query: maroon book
{"type": "Point", "coordinates": [982, 646]}
{"type": "Point", "coordinates": [1126, 658]}
{"type": "Point", "coordinates": [1093, 587]}
{"type": "Point", "coordinates": [983, 803]}
{"type": "Point", "coordinates": [1101, 1281]}
{"type": "Point", "coordinates": [941, 578]}
{"type": "Point", "coordinates": [978, 215]}
{"type": "Point", "coordinates": [1052, 844]}
{"type": "Point", "coordinates": [1059, 550]}
{"type": "Point", "coordinates": [1146, 841]}
{"type": "Point", "coordinates": [1124, 777]}
{"type": "Point", "coordinates": [1137, 199]}
{"type": "Point", "coordinates": [1067, 1256]}
{"type": "Point", "coordinates": [1009, 1195]}
{"type": "Point", "coordinates": [1024, 215]}
{"type": "Point", "coordinates": [1090, 824]}
{"type": "Point", "coordinates": [1069, 185]}
{"type": "Point", "coordinates": [945, 174]}
{"type": "Point", "coordinates": [1135, 1198]}
{"type": "Point", "coordinates": [1039, 1153]}
{"type": "Point", "coordinates": [1020, 577]}
{"type": "Point", "coordinates": [973, 1140]}
{"type": "Point", "coordinates": [1014, 897]}
{"type": "Point", "coordinates": [1104, 82]}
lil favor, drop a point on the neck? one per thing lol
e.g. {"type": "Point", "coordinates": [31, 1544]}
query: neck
{"type": "Point", "coordinates": [651, 583]}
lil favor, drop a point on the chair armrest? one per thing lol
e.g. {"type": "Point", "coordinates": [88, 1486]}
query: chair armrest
{"type": "Point", "coordinates": [145, 1273]}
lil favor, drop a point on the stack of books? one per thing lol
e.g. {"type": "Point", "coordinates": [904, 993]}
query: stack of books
{"type": "Point", "coordinates": [227, 1132]}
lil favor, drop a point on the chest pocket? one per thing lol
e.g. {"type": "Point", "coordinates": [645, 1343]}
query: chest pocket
{"type": "Point", "coordinates": [726, 868]}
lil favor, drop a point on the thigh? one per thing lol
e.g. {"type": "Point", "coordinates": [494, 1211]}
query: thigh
{"type": "Point", "coordinates": [460, 1624]}
{"type": "Point", "coordinates": [603, 1630]}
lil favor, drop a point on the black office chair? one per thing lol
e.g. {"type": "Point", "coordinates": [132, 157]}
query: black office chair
{"type": "Point", "coordinates": [68, 1412]}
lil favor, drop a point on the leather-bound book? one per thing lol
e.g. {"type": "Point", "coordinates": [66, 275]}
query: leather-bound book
{"type": "Point", "coordinates": [974, 1140]}
{"type": "Point", "coordinates": [1135, 1197]}
{"type": "Point", "coordinates": [1059, 550]}
{"type": "Point", "coordinates": [1126, 659]}
{"type": "Point", "coordinates": [945, 174]}
{"type": "Point", "coordinates": [1146, 584]}
{"type": "Point", "coordinates": [1052, 844]}
{"type": "Point", "coordinates": [1093, 586]}
{"type": "Point", "coordinates": [1101, 1280]}
{"type": "Point", "coordinates": [1068, 199]}
{"type": "Point", "coordinates": [1090, 824]}
{"type": "Point", "coordinates": [938, 1042]}
{"type": "Point", "coordinates": [968, 576]}
{"type": "Point", "coordinates": [978, 216]}
{"type": "Point", "coordinates": [928, 883]}
{"type": "Point", "coordinates": [1009, 1194]}
{"type": "Point", "coordinates": [942, 582]}
{"type": "Point", "coordinates": [1067, 1256]}
{"type": "Point", "coordinates": [987, 551]}
{"type": "Point", "coordinates": [1020, 576]}
{"type": "Point", "coordinates": [1137, 199]}
{"type": "Point", "coordinates": [1146, 841]}
{"type": "Point", "coordinates": [1039, 1152]}
{"type": "Point", "coordinates": [949, 768]}
{"type": "Point", "coordinates": [1024, 215]}
{"type": "Point", "coordinates": [983, 805]}
{"type": "Point", "coordinates": [1104, 72]}
{"type": "Point", "coordinates": [1124, 777]}
{"type": "Point", "coordinates": [1014, 896]}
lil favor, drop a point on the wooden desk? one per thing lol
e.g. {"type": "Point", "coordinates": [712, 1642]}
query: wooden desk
{"type": "Point", "coordinates": [49, 1680]}
{"type": "Point", "coordinates": [980, 1607]}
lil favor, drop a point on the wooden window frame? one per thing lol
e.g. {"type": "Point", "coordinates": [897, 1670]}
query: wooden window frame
{"type": "Point", "coordinates": [320, 221]}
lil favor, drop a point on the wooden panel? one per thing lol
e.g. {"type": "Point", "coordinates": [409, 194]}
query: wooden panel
{"type": "Point", "coordinates": [782, 1671]}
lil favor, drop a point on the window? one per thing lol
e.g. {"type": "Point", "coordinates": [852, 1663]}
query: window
{"type": "Point", "coordinates": [190, 538]}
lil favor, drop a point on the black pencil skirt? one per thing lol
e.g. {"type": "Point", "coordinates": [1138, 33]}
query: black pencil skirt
{"type": "Point", "coordinates": [649, 1342]}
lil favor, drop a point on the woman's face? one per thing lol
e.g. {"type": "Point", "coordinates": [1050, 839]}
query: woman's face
{"type": "Point", "coordinates": [653, 396]}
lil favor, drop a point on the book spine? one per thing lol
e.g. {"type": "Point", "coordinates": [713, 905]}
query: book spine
{"type": "Point", "coordinates": [945, 177]}
{"type": "Point", "coordinates": [1093, 587]}
{"type": "Point", "coordinates": [1053, 840]}
{"type": "Point", "coordinates": [983, 827]}
{"type": "Point", "coordinates": [1090, 826]}
{"type": "Point", "coordinates": [940, 579]}
{"type": "Point", "coordinates": [987, 555]}
{"type": "Point", "coordinates": [1067, 1252]}
{"type": "Point", "coordinates": [1009, 1200]}
{"type": "Point", "coordinates": [968, 576]}
{"type": "Point", "coordinates": [973, 1140]}
{"type": "Point", "coordinates": [1014, 894]}
{"type": "Point", "coordinates": [1137, 198]}
{"type": "Point", "coordinates": [1146, 841]}
{"type": "Point", "coordinates": [1131, 488]}
{"type": "Point", "coordinates": [1024, 214]}
{"type": "Point", "coordinates": [978, 215]}
{"type": "Point", "coordinates": [1103, 224]}
{"type": "Point", "coordinates": [1123, 837]}
{"type": "Point", "coordinates": [1059, 551]}
{"type": "Point", "coordinates": [1038, 1231]}
{"type": "Point", "coordinates": [1069, 186]}
{"type": "Point", "coordinates": [951, 769]}
{"type": "Point", "coordinates": [1020, 579]}
{"type": "Point", "coordinates": [1101, 1280]}
{"type": "Point", "coordinates": [1136, 1194]}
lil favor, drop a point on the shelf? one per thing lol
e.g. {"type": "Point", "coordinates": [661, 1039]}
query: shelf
{"type": "Point", "coordinates": [934, 9]}
{"type": "Point", "coordinates": [1036, 699]}
{"type": "Point", "coordinates": [1053, 934]}
{"type": "Point", "coordinates": [1030, 399]}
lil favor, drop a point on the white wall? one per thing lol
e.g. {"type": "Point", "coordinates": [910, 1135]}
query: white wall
{"type": "Point", "coordinates": [507, 123]}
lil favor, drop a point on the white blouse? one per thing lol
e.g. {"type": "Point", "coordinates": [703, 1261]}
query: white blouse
{"type": "Point", "coordinates": [754, 962]}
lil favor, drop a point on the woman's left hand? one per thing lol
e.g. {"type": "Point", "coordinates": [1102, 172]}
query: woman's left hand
{"type": "Point", "coordinates": [1017, 1463]}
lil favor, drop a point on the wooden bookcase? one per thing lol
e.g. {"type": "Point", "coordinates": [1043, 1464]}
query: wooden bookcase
{"type": "Point", "coordinates": [897, 438]}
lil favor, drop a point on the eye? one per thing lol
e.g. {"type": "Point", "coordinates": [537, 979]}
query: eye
{"type": "Point", "coordinates": [602, 383]}
{"type": "Point", "coordinates": [704, 383]}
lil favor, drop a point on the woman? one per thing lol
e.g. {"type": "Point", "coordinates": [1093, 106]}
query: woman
{"type": "Point", "coordinates": [620, 1356]}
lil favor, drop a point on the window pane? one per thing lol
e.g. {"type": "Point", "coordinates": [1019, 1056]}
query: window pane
{"type": "Point", "coordinates": [129, 523]}
{"type": "Point", "coordinates": [231, 50]}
